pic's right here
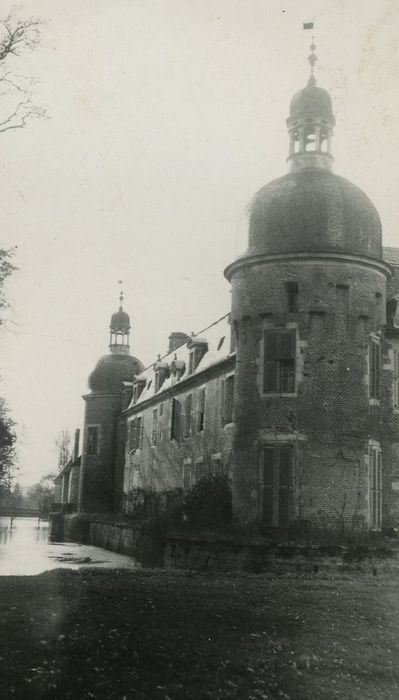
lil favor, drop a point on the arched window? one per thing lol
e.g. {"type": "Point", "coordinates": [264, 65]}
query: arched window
{"type": "Point", "coordinates": [310, 140]}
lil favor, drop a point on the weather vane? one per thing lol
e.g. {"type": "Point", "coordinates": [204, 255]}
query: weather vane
{"type": "Point", "coordinates": [312, 58]}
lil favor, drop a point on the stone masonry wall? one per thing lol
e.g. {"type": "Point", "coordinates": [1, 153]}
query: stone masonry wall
{"type": "Point", "coordinates": [330, 419]}
{"type": "Point", "coordinates": [177, 463]}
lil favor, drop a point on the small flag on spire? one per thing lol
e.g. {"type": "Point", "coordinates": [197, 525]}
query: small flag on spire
{"type": "Point", "coordinates": [308, 25]}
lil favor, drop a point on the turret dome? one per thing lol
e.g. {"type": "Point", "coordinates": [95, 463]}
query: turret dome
{"type": "Point", "coordinates": [313, 211]}
{"type": "Point", "coordinates": [111, 371]}
{"type": "Point", "coordinates": [312, 100]}
{"type": "Point", "coordinates": [120, 321]}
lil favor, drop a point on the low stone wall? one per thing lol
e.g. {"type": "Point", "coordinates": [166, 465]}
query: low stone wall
{"type": "Point", "coordinates": [141, 541]}
{"type": "Point", "coordinates": [219, 556]}
{"type": "Point", "coordinates": [138, 540]}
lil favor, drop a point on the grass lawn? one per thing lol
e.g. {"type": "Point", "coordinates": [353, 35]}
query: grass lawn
{"type": "Point", "coordinates": [181, 636]}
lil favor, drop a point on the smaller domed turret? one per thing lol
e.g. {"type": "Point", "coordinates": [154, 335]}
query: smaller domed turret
{"type": "Point", "coordinates": [310, 125]}
{"type": "Point", "coordinates": [120, 329]}
{"type": "Point", "coordinates": [119, 366]}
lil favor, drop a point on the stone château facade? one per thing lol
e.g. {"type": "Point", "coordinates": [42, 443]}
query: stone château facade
{"type": "Point", "coordinates": [295, 392]}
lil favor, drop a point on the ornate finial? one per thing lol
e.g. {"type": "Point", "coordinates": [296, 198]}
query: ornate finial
{"type": "Point", "coordinates": [312, 58]}
{"type": "Point", "coordinates": [120, 296]}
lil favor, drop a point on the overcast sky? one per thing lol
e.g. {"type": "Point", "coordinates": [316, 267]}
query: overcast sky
{"type": "Point", "coordinates": [166, 116]}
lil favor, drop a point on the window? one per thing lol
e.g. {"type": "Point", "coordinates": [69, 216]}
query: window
{"type": "Point", "coordinates": [395, 388]}
{"type": "Point", "coordinates": [187, 415]}
{"type": "Point", "coordinates": [374, 368]}
{"type": "Point", "coordinates": [136, 429]}
{"type": "Point", "coordinates": [276, 482]}
{"type": "Point", "coordinates": [227, 399]}
{"type": "Point", "coordinates": [292, 292]}
{"type": "Point", "coordinates": [175, 420]}
{"type": "Point", "coordinates": [279, 361]}
{"type": "Point", "coordinates": [138, 387]}
{"type": "Point", "coordinates": [375, 488]}
{"type": "Point", "coordinates": [154, 431]}
{"type": "Point", "coordinates": [92, 439]}
{"type": "Point", "coordinates": [201, 411]}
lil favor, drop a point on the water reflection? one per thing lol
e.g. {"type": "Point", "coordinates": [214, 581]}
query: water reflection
{"type": "Point", "coordinates": [26, 550]}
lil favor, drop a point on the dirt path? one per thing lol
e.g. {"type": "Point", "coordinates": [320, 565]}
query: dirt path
{"type": "Point", "coordinates": [178, 636]}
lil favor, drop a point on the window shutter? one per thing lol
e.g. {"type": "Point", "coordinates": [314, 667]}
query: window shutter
{"type": "Point", "coordinates": [268, 463]}
{"type": "Point", "coordinates": [287, 345]}
{"type": "Point", "coordinates": [285, 476]}
{"type": "Point", "coordinates": [223, 399]}
{"type": "Point", "coordinates": [271, 341]}
{"type": "Point", "coordinates": [173, 421]}
{"type": "Point", "coordinates": [270, 376]}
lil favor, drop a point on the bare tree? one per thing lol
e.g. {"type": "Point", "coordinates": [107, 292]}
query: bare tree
{"type": "Point", "coordinates": [16, 104]}
{"type": "Point", "coordinates": [64, 445]}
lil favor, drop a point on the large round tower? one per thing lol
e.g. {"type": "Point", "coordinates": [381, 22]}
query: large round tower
{"type": "Point", "coordinates": [308, 303]}
{"type": "Point", "coordinates": [102, 405]}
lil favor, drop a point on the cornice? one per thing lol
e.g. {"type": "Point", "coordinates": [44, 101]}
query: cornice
{"type": "Point", "coordinates": [307, 257]}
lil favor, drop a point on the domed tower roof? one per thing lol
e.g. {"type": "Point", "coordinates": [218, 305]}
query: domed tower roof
{"type": "Point", "coordinates": [119, 366]}
{"type": "Point", "coordinates": [312, 100]}
{"type": "Point", "coordinates": [120, 321]}
{"type": "Point", "coordinates": [311, 210]}
{"type": "Point", "coordinates": [111, 371]}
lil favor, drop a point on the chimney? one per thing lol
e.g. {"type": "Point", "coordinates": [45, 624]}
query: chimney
{"type": "Point", "coordinates": [176, 339]}
{"type": "Point", "coordinates": [76, 445]}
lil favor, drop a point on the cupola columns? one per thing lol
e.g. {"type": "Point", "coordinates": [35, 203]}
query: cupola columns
{"type": "Point", "coordinates": [120, 331]}
{"type": "Point", "coordinates": [310, 125]}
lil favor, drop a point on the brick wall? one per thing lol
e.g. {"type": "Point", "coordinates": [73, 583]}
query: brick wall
{"type": "Point", "coordinates": [329, 421]}
{"type": "Point", "coordinates": [96, 486]}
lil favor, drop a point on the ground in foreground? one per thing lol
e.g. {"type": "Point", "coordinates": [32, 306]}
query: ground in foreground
{"type": "Point", "coordinates": [165, 635]}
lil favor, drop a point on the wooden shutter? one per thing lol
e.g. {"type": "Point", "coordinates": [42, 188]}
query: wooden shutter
{"type": "Point", "coordinates": [223, 400]}
{"type": "Point", "coordinates": [270, 364]}
{"type": "Point", "coordinates": [284, 485]}
{"type": "Point", "coordinates": [187, 415]}
{"type": "Point", "coordinates": [375, 363]}
{"type": "Point", "coordinates": [286, 349]}
{"type": "Point", "coordinates": [201, 410]}
{"type": "Point", "coordinates": [267, 477]}
{"type": "Point", "coordinates": [175, 420]}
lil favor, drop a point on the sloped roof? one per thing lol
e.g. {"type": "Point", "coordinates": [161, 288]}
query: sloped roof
{"type": "Point", "coordinates": [217, 337]}
{"type": "Point", "coordinates": [391, 256]}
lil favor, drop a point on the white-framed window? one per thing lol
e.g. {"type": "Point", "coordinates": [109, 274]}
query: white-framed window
{"type": "Point", "coordinates": [93, 440]}
{"type": "Point", "coordinates": [136, 432]}
{"type": "Point", "coordinates": [276, 484]}
{"type": "Point", "coordinates": [375, 487]}
{"type": "Point", "coordinates": [279, 353]}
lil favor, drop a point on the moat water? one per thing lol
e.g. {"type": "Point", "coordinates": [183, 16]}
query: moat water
{"type": "Point", "coordinates": [25, 550]}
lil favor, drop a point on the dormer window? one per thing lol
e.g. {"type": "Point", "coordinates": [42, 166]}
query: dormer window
{"type": "Point", "coordinates": [198, 347]}
{"type": "Point", "coordinates": [161, 373]}
{"type": "Point", "coordinates": [138, 386]}
{"type": "Point", "coordinates": [177, 368]}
